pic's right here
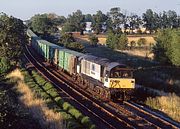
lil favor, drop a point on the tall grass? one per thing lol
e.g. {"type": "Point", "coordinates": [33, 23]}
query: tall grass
{"type": "Point", "coordinates": [170, 105]}
{"type": "Point", "coordinates": [47, 118]}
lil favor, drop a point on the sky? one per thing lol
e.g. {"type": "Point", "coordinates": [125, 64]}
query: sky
{"type": "Point", "coordinates": [25, 9]}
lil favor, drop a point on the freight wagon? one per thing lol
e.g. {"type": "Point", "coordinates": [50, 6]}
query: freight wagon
{"type": "Point", "coordinates": [99, 76]}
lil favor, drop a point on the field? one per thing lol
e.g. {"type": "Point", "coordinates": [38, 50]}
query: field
{"type": "Point", "coordinates": [102, 38]}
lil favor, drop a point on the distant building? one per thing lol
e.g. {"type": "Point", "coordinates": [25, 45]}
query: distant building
{"type": "Point", "coordinates": [88, 28]}
{"type": "Point", "coordinates": [59, 28]}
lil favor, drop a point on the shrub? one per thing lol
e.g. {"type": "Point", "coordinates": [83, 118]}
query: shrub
{"type": "Point", "coordinates": [141, 42]}
{"type": "Point", "coordinates": [67, 106]}
{"type": "Point", "coordinates": [4, 65]}
{"type": "Point", "coordinates": [47, 86]}
{"type": "Point", "coordinates": [75, 46]}
{"type": "Point", "coordinates": [75, 113]}
{"type": "Point", "coordinates": [93, 40]}
{"type": "Point", "coordinates": [59, 101]}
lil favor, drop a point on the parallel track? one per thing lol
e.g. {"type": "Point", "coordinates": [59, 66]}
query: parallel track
{"type": "Point", "coordinates": [128, 115]}
{"type": "Point", "coordinates": [100, 116]}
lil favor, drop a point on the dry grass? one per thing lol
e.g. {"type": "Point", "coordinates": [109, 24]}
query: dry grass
{"type": "Point", "coordinates": [149, 39]}
{"type": "Point", "coordinates": [37, 107]}
{"type": "Point", "coordinates": [140, 53]}
{"type": "Point", "coordinates": [168, 104]}
{"type": "Point", "coordinates": [102, 40]}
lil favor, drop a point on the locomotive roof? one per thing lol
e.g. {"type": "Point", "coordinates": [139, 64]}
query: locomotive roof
{"type": "Point", "coordinates": [101, 61]}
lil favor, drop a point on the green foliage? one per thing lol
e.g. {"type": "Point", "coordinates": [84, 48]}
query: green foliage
{"type": "Point", "coordinates": [42, 24]}
{"type": "Point", "coordinates": [116, 41]}
{"type": "Point", "coordinates": [167, 48]}
{"type": "Point", "coordinates": [98, 20]}
{"type": "Point", "coordinates": [93, 40]}
{"type": "Point", "coordinates": [133, 44]}
{"type": "Point", "coordinates": [66, 38]}
{"type": "Point", "coordinates": [4, 65]}
{"type": "Point", "coordinates": [48, 86]}
{"type": "Point", "coordinates": [12, 37]}
{"type": "Point", "coordinates": [123, 41]}
{"type": "Point", "coordinates": [117, 17]}
{"type": "Point", "coordinates": [76, 46]}
{"type": "Point", "coordinates": [67, 106]}
{"type": "Point", "coordinates": [141, 42]}
{"type": "Point", "coordinates": [75, 22]}
{"type": "Point", "coordinates": [112, 40]}
{"type": "Point", "coordinates": [68, 27]}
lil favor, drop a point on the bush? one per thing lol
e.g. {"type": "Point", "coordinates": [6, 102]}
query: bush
{"type": "Point", "coordinates": [87, 122]}
{"type": "Point", "coordinates": [4, 65]}
{"type": "Point", "coordinates": [48, 86]}
{"type": "Point", "coordinates": [93, 40]}
{"type": "Point", "coordinates": [53, 93]}
{"type": "Point", "coordinates": [67, 106]}
{"type": "Point", "coordinates": [59, 101]}
{"type": "Point", "coordinates": [141, 42]}
{"type": "Point", "coordinates": [75, 113]}
{"type": "Point", "coordinates": [75, 46]}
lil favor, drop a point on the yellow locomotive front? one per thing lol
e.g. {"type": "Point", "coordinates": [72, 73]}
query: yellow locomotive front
{"type": "Point", "coordinates": [120, 81]}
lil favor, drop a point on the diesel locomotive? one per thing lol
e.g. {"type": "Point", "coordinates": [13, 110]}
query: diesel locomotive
{"type": "Point", "coordinates": [98, 76]}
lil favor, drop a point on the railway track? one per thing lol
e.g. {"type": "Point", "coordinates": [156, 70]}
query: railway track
{"type": "Point", "coordinates": [100, 116]}
{"type": "Point", "coordinates": [105, 115]}
{"type": "Point", "coordinates": [160, 120]}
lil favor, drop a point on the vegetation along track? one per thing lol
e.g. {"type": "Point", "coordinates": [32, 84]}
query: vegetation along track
{"type": "Point", "coordinates": [142, 116]}
{"type": "Point", "coordinates": [104, 115]}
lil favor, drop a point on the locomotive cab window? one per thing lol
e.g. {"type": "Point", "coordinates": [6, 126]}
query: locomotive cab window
{"type": "Point", "coordinates": [121, 74]}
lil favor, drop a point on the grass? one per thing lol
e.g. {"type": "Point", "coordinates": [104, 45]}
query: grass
{"type": "Point", "coordinates": [50, 94]}
{"type": "Point", "coordinates": [170, 105]}
{"type": "Point", "coordinates": [38, 108]}
{"type": "Point", "coordinates": [102, 39]}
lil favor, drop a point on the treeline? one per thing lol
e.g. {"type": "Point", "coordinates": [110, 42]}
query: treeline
{"type": "Point", "coordinates": [12, 38]}
{"type": "Point", "coordinates": [116, 25]}
{"type": "Point", "coordinates": [115, 20]}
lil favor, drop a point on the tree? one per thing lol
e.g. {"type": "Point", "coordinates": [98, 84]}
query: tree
{"type": "Point", "coordinates": [134, 22]}
{"type": "Point", "coordinates": [88, 18]}
{"type": "Point", "coordinates": [98, 21]}
{"type": "Point", "coordinates": [42, 24]}
{"type": "Point", "coordinates": [68, 27]}
{"type": "Point", "coordinates": [123, 41]}
{"type": "Point", "coordinates": [116, 41]}
{"type": "Point", "coordinates": [12, 38]}
{"type": "Point", "coordinates": [167, 47]}
{"type": "Point", "coordinates": [112, 40]}
{"type": "Point", "coordinates": [77, 20]}
{"type": "Point", "coordinates": [151, 20]}
{"type": "Point", "coordinates": [66, 38]}
{"type": "Point", "coordinates": [141, 42]}
{"type": "Point", "coordinates": [93, 40]}
{"type": "Point", "coordinates": [117, 17]}
{"type": "Point", "coordinates": [132, 44]}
